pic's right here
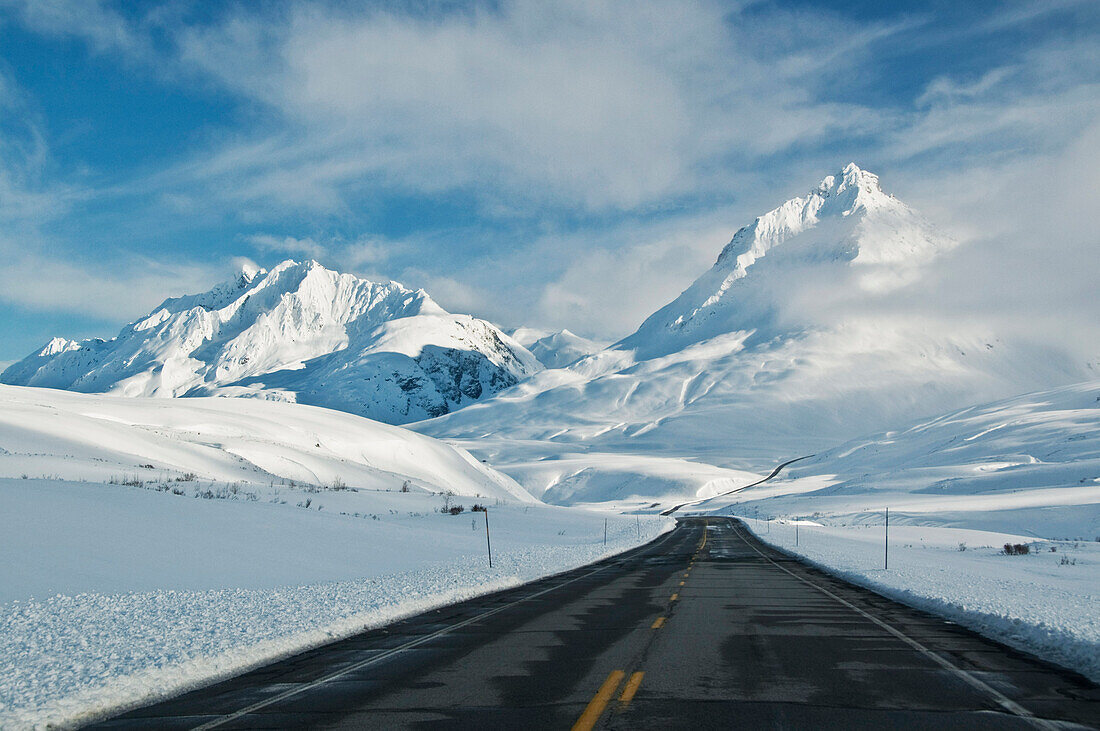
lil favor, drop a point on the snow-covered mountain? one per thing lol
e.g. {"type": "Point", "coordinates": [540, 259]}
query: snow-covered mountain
{"type": "Point", "coordinates": [297, 333]}
{"type": "Point", "coordinates": [556, 349]}
{"type": "Point", "coordinates": [844, 240]}
{"type": "Point", "coordinates": [808, 330]}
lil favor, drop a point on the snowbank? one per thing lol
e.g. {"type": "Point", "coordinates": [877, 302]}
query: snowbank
{"type": "Point", "coordinates": [225, 585]}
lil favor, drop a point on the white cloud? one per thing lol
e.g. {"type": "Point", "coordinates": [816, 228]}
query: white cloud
{"type": "Point", "coordinates": [597, 104]}
{"type": "Point", "coordinates": [616, 111]}
{"type": "Point", "coordinates": [56, 284]}
{"type": "Point", "coordinates": [306, 247]}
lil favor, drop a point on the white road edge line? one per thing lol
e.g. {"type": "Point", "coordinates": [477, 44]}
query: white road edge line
{"type": "Point", "coordinates": [397, 650]}
{"type": "Point", "coordinates": [1002, 700]}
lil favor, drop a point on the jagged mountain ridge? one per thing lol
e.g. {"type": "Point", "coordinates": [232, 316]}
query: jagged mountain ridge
{"type": "Point", "coordinates": [297, 333]}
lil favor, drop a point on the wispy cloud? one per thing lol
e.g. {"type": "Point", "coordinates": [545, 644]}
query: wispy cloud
{"type": "Point", "coordinates": [287, 245]}
{"type": "Point", "coordinates": [607, 149]}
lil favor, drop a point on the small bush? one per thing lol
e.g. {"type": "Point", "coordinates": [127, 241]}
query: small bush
{"type": "Point", "coordinates": [477, 508]}
{"type": "Point", "coordinates": [455, 509]}
{"type": "Point", "coordinates": [1067, 561]}
{"type": "Point", "coordinates": [1017, 549]}
{"type": "Point", "coordinates": [405, 486]}
{"type": "Point", "coordinates": [962, 546]}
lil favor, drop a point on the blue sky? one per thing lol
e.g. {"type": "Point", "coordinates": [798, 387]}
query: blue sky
{"type": "Point", "coordinates": [570, 164]}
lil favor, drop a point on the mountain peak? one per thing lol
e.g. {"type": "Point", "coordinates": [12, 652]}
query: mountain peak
{"type": "Point", "coordinates": [845, 229]}
{"type": "Point", "coordinates": [850, 189]}
{"type": "Point", "coordinates": [299, 332]}
{"type": "Point", "coordinates": [248, 272]}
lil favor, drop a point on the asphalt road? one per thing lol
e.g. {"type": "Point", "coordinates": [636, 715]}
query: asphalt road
{"type": "Point", "coordinates": [704, 628]}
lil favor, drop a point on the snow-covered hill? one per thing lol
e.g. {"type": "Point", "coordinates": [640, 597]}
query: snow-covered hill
{"type": "Point", "coordinates": [1029, 465]}
{"type": "Point", "coordinates": [73, 436]}
{"type": "Point", "coordinates": [846, 237]}
{"type": "Point", "coordinates": [808, 330]}
{"type": "Point", "coordinates": [556, 349]}
{"type": "Point", "coordinates": [297, 333]}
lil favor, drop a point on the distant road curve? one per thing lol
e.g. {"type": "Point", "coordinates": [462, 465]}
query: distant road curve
{"type": "Point", "coordinates": [775, 472]}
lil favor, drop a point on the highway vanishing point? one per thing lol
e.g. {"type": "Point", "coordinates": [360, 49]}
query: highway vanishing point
{"type": "Point", "coordinates": [705, 627]}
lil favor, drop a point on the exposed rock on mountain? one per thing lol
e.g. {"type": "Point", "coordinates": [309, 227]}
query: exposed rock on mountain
{"type": "Point", "coordinates": [297, 333]}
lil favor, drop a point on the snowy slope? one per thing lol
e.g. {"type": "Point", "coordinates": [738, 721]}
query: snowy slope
{"type": "Point", "coordinates": [846, 235]}
{"type": "Point", "coordinates": [298, 333]}
{"type": "Point", "coordinates": [808, 330]}
{"type": "Point", "coordinates": [556, 349]}
{"type": "Point", "coordinates": [155, 544]}
{"type": "Point", "coordinates": [1029, 465]}
{"type": "Point", "coordinates": [71, 436]}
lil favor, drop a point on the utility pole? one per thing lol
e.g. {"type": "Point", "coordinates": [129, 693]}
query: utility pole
{"type": "Point", "coordinates": [886, 549]}
{"type": "Point", "coordinates": [638, 525]}
{"type": "Point", "coordinates": [488, 545]}
{"type": "Point", "coordinates": [796, 534]}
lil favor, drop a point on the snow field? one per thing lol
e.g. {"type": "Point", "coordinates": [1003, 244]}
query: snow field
{"type": "Point", "coordinates": [220, 586]}
{"type": "Point", "coordinates": [152, 545]}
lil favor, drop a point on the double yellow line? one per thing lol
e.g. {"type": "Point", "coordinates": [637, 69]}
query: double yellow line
{"type": "Point", "coordinates": [596, 706]}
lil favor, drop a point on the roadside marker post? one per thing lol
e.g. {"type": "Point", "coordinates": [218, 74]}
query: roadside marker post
{"type": "Point", "coordinates": [488, 545]}
{"type": "Point", "coordinates": [605, 531]}
{"type": "Point", "coordinates": [886, 547]}
{"type": "Point", "coordinates": [796, 534]}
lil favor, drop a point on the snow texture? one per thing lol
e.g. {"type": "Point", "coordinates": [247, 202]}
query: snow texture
{"type": "Point", "coordinates": [245, 531]}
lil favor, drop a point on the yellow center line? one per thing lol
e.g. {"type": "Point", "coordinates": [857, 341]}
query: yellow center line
{"type": "Point", "coordinates": [595, 706]}
{"type": "Point", "coordinates": [681, 583]}
{"type": "Point", "coordinates": [631, 688]}
{"type": "Point", "coordinates": [657, 623]}
{"type": "Point", "coordinates": [704, 543]}
{"type": "Point", "coordinates": [674, 597]}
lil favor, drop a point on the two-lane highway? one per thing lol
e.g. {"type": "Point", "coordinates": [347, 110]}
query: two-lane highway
{"type": "Point", "coordinates": [704, 628]}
